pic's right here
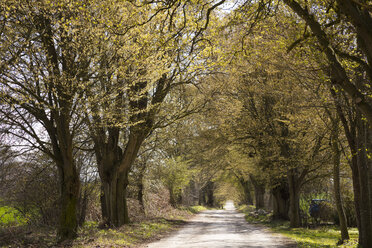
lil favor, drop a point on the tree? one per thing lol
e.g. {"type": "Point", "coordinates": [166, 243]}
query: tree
{"type": "Point", "coordinates": [45, 59]}
{"type": "Point", "coordinates": [346, 63]}
{"type": "Point", "coordinates": [276, 122]}
{"type": "Point", "coordinates": [133, 92]}
{"type": "Point", "coordinates": [176, 174]}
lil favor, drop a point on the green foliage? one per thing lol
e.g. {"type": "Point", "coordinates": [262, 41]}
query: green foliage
{"type": "Point", "coordinates": [125, 236]}
{"type": "Point", "coordinates": [311, 238]}
{"type": "Point", "coordinates": [322, 237]}
{"type": "Point", "coordinates": [10, 216]}
{"type": "Point", "coordinates": [175, 174]}
{"type": "Point", "coordinates": [195, 209]}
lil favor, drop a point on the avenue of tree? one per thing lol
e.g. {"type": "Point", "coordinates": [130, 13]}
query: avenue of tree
{"type": "Point", "coordinates": [264, 101]}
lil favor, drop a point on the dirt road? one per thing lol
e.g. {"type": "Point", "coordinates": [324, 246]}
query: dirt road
{"type": "Point", "coordinates": [222, 228]}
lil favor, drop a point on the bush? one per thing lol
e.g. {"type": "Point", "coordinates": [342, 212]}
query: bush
{"type": "Point", "coordinates": [11, 217]}
{"type": "Point", "coordinates": [323, 211]}
{"type": "Point", "coordinates": [32, 189]}
{"type": "Point", "coordinates": [349, 207]}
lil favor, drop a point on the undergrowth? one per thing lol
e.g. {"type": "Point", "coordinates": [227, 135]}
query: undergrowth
{"type": "Point", "coordinates": [126, 236]}
{"type": "Point", "coordinates": [318, 237]}
{"type": "Point", "coordinates": [194, 209]}
{"type": "Point", "coordinates": [10, 216]}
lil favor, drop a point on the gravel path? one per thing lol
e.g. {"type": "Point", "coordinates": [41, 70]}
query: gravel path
{"type": "Point", "coordinates": [222, 228]}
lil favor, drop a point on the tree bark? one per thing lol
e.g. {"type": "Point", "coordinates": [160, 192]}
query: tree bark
{"type": "Point", "coordinates": [115, 201]}
{"type": "Point", "coordinates": [172, 199]}
{"type": "Point", "coordinates": [141, 185]}
{"type": "Point", "coordinates": [362, 21]}
{"type": "Point", "coordinates": [259, 192]}
{"type": "Point", "coordinates": [114, 164]}
{"type": "Point", "coordinates": [365, 208]}
{"type": "Point", "coordinates": [210, 194]}
{"type": "Point", "coordinates": [202, 197]}
{"type": "Point", "coordinates": [294, 181]}
{"type": "Point", "coordinates": [70, 186]}
{"type": "Point", "coordinates": [336, 152]}
{"type": "Point", "coordinates": [349, 127]}
{"type": "Point", "coordinates": [294, 199]}
{"type": "Point", "coordinates": [354, 135]}
{"type": "Point", "coordinates": [140, 194]}
{"type": "Point", "coordinates": [247, 191]}
{"type": "Point", "coordinates": [281, 201]}
{"type": "Point", "coordinates": [83, 206]}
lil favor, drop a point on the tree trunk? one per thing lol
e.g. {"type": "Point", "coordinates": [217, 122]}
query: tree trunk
{"type": "Point", "coordinates": [83, 207]}
{"type": "Point", "coordinates": [247, 191]}
{"type": "Point", "coordinates": [259, 192]}
{"type": "Point", "coordinates": [141, 185]}
{"type": "Point", "coordinates": [172, 199]}
{"type": "Point", "coordinates": [336, 180]}
{"type": "Point", "coordinates": [104, 210]}
{"type": "Point", "coordinates": [115, 200]}
{"type": "Point", "coordinates": [362, 21]}
{"type": "Point", "coordinates": [210, 194]}
{"type": "Point", "coordinates": [140, 194]}
{"type": "Point", "coordinates": [356, 189]}
{"type": "Point", "coordinates": [70, 186]}
{"type": "Point", "coordinates": [369, 161]}
{"type": "Point", "coordinates": [202, 198]}
{"type": "Point", "coordinates": [122, 206]}
{"type": "Point", "coordinates": [280, 201]}
{"type": "Point", "coordinates": [365, 208]}
{"type": "Point", "coordinates": [114, 164]}
{"type": "Point", "coordinates": [350, 128]}
{"type": "Point", "coordinates": [294, 199]}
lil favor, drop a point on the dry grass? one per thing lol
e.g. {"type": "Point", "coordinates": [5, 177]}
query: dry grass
{"type": "Point", "coordinates": [159, 220]}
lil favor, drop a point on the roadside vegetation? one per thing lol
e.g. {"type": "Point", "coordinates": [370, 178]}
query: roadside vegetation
{"type": "Point", "coordinates": [314, 236]}
{"type": "Point", "coordinates": [15, 232]}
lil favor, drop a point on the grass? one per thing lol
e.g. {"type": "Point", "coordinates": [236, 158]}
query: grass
{"type": "Point", "coordinates": [194, 209]}
{"type": "Point", "coordinates": [11, 217]}
{"type": "Point", "coordinates": [320, 237]}
{"type": "Point", "coordinates": [133, 234]}
{"type": "Point", "coordinates": [125, 236]}
{"type": "Point", "coordinates": [90, 235]}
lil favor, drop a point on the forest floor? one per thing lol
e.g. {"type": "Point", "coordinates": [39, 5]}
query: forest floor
{"type": "Point", "coordinates": [132, 235]}
{"type": "Point", "coordinates": [222, 228]}
{"type": "Point", "coordinates": [322, 236]}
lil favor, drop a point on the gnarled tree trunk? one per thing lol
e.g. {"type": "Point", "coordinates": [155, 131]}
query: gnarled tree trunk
{"type": "Point", "coordinates": [70, 186]}
{"type": "Point", "coordinates": [114, 164]}
{"type": "Point", "coordinates": [114, 200]}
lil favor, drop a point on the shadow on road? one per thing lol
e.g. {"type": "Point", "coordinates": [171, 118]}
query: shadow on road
{"type": "Point", "coordinates": [222, 228]}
